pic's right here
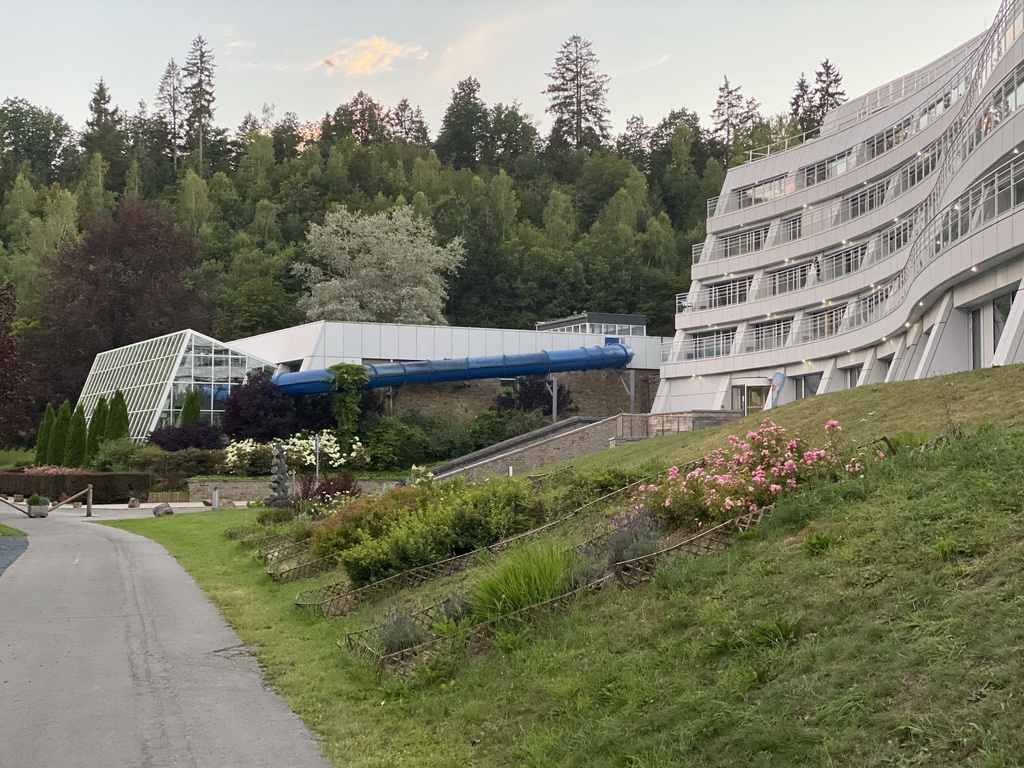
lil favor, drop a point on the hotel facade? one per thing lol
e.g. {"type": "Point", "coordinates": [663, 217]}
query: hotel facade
{"type": "Point", "coordinates": [889, 247]}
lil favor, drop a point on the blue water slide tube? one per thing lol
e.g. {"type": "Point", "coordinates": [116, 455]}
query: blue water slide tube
{"type": "Point", "coordinates": [465, 368]}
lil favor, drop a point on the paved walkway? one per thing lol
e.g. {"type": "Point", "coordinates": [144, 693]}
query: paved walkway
{"type": "Point", "coordinates": [110, 655]}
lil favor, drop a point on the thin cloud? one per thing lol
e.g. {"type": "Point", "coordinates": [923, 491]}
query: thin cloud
{"type": "Point", "coordinates": [369, 57]}
{"type": "Point", "coordinates": [240, 44]}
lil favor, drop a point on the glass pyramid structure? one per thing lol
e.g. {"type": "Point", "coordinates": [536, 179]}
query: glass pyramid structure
{"type": "Point", "coordinates": [156, 374]}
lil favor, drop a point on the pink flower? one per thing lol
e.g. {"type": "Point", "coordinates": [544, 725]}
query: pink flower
{"type": "Point", "coordinates": [774, 488]}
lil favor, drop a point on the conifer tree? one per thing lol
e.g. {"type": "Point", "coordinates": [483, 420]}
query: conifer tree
{"type": "Point", "coordinates": [43, 436]}
{"type": "Point", "coordinates": [801, 105]}
{"type": "Point", "coordinates": [578, 94]}
{"type": "Point", "coordinates": [117, 418]}
{"type": "Point", "coordinates": [97, 429]}
{"type": "Point", "coordinates": [74, 453]}
{"type": "Point", "coordinates": [58, 441]}
{"type": "Point", "coordinates": [190, 410]}
{"type": "Point", "coordinates": [199, 98]}
{"type": "Point", "coordinates": [727, 115]}
{"type": "Point", "coordinates": [170, 98]}
{"type": "Point", "coordinates": [828, 92]}
{"type": "Point", "coordinates": [464, 127]}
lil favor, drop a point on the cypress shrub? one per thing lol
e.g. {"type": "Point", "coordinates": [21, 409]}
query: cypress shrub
{"type": "Point", "coordinates": [117, 418]}
{"type": "Point", "coordinates": [57, 443]}
{"type": "Point", "coordinates": [97, 429]}
{"type": "Point", "coordinates": [190, 411]}
{"type": "Point", "coordinates": [43, 436]}
{"type": "Point", "coordinates": [74, 453]}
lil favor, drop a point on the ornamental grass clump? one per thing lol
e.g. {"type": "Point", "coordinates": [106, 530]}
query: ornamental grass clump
{"type": "Point", "coordinates": [528, 576]}
{"type": "Point", "coordinates": [747, 476]}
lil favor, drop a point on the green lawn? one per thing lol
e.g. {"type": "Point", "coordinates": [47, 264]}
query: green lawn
{"type": "Point", "coordinates": [6, 530]}
{"type": "Point", "coordinates": [13, 457]}
{"type": "Point", "coordinates": [874, 623]}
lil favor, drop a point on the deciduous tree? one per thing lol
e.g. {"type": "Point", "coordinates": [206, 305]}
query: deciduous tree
{"type": "Point", "coordinates": [385, 268]}
{"type": "Point", "coordinates": [15, 391]}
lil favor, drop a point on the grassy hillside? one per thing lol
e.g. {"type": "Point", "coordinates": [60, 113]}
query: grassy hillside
{"type": "Point", "coordinates": [877, 622]}
{"type": "Point", "coordinates": [972, 398]}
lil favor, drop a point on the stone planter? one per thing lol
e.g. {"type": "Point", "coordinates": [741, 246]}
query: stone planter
{"type": "Point", "coordinates": [40, 510]}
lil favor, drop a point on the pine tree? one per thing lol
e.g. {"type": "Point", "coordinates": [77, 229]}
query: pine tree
{"type": "Point", "coordinates": [407, 122]}
{"type": "Point", "coordinates": [727, 115]}
{"type": "Point", "coordinates": [74, 453]}
{"type": "Point", "coordinates": [58, 441]}
{"type": "Point", "coordinates": [170, 98]}
{"type": "Point", "coordinates": [97, 429]}
{"type": "Point", "coordinates": [578, 94]}
{"type": "Point", "coordinates": [464, 127]}
{"type": "Point", "coordinates": [199, 98]}
{"type": "Point", "coordinates": [190, 410]}
{"type": "Point", "coordinates": [105, 135]}
{"type": "Point", "coordinates": [92, 193]}
{"type": "Point", "coordinates": [801, 105]}
{"type": "Point", "coordinates": [43, 435]}
{"type": "Point", "coordinates": [828, 93]}
{"type": "Point", "coordinates": [118, 425]}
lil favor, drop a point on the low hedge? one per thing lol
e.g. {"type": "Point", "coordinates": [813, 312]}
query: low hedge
{"type": "Point", "coordinates": [107, 487]}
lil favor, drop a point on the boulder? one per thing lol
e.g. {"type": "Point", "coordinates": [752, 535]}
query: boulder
{"type": "Point", "coordinates": [207, 503]}
{"type": "Point", "coordinates": [160, 510]}
{"type": "Point", "coordinates": [226, 504]}
{"type": "Point", "coordinates": [19, 499]}
{"type": "Point", "coordinates": [133, 503]}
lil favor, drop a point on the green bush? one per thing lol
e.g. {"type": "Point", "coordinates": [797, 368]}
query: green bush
{"type": "Point", "coordinates": [400, 631]}
{"type": "Point", "coordinates": [34, 500]}
{"type": "Point", "coordinates": [448, 519]}
{"type": "Point", "coordinates": [368, 517]}
{"type": "Point", "coordinates": [118, 455]}
{"type": "Point", "coordinates": [529, 575]}
{"type": "Point", "coordinates": [275, 516]}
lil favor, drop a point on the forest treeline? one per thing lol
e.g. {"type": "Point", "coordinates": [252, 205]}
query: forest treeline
{"type": "Point", "coordinates": [142, 223]}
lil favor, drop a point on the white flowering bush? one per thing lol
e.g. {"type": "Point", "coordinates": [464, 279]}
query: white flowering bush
{"type": "Point", "coordinates": [245, 456]}
{"type": "Point", "coordinates": [248, 458]}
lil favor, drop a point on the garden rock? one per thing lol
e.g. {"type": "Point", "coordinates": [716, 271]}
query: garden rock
{"type": "Point", "coordinates": [207, 503]}
{"type": "Point", "coordinates": [19, 499]}
{"type": "Point", "coordinates": [133, 503]}
{"type": "Point", "coordinates": [160, 510]}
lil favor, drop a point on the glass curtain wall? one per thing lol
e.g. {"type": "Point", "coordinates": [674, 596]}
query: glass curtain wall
{"type": "Point", "coordinates": [155, 375]}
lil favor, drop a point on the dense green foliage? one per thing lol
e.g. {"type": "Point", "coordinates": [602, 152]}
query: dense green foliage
{"type": "Point", "coordinates": [97, 428]}
{"type": "Point", "coordinates": [43, 435]}
{"type": "Point", "coordinates": [380, 536]}
{"type": "Point", "coordinates": [117, 425]}
{"type": "Point", "coordinates": [56, 443]}
{"type": "Point", "coordinates": [190, 411]}
{"type": "Point", "coordinates": [143, 223]}
{"type": "Point", "coordinates": [74, 451]}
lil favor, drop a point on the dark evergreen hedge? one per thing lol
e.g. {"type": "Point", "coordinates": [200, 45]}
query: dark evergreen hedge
{"type": "Point", "coordinates": [107, 487]}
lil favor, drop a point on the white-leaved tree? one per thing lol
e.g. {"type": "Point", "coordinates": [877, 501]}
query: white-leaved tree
{"type": "Point", "coordinates": [384, 268]}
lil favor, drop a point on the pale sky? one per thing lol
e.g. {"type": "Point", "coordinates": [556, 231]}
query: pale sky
{"type": "Point", "coordinates": [309, 57]}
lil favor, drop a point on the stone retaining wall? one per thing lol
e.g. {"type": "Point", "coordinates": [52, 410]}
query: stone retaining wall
{"type": "Point", "coordinates": [245, 489]}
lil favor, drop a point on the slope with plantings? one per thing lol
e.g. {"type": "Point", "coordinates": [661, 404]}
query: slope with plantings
{"type": "Point", "coordinates": [874, 621]}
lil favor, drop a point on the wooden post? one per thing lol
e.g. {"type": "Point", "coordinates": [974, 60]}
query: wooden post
{"type": "Point", "coordinates": [88, 501]}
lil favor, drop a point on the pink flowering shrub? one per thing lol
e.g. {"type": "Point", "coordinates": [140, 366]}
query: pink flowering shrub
{"type": "Point", "coordinates": [49, 469]}
{"type": "Point", "coordinates": [748, 475]}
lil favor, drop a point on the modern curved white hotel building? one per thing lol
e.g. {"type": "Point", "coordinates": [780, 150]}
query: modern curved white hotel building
{"type": "Point", "coordinates": [890, 247]}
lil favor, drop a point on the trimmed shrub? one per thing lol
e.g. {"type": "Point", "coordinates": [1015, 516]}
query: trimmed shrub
{"type": "Point", "coordinates": [57, 443]}
{"type": "Point", "coordinates": [97, 429]}
{"type": "Point", "coordinates": [107, 488]}
{"type": "Point", "coordinates": [74, 452]}
{"type": "Point", "coordinates": [119, 455]}
{"type": "Point", "coordinates": [367, 518]}
{"type": "Point", "coordinates": [190, 410]}
{"type": "Point", "coordinates": [43, 436]}
{"type": "Point", "coordinates": [117, 425]}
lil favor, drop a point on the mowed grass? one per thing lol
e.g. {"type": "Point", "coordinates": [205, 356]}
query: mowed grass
{"type": "Point", "coordinates": [934, 405]}
{"type": "Point", "coordinates": [878, 622]}
{"type": "Point", "coordinates": [14, 457]}
{"type": "Point", "coordinates": [6, 530]}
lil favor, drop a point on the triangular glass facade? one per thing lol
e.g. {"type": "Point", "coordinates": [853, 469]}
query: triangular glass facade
{"type": "Point", "coordinates": [155, 375]}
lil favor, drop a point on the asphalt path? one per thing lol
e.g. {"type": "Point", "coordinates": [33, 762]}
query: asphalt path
{"type": "Point", "coordinates": [111, 656]}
